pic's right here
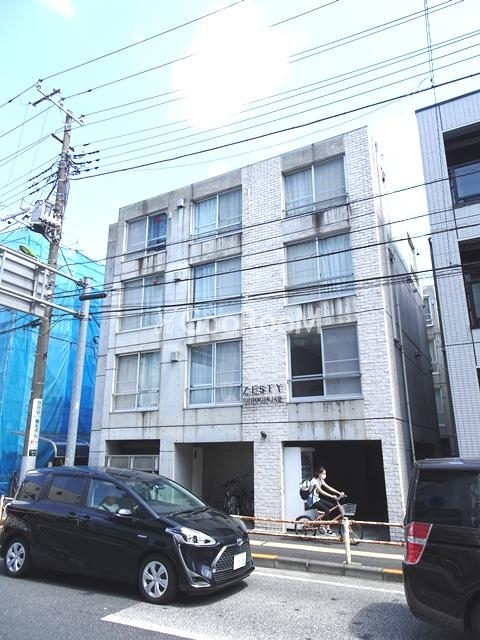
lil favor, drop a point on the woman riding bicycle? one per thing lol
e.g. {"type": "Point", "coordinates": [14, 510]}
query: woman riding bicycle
{"type": "Point", "coordinates": [322, 495]}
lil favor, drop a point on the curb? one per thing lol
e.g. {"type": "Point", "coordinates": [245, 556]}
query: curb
{"type": "Point", "coordinates": [355, 570]}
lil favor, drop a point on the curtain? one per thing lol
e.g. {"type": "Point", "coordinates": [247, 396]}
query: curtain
{"type": "Point", "coordinates": [136, 233]}
{"type": "Point", "coordinates": [152, 300]}
{"type": "Point", "coordinates": [205, 217]}
{"type": "Point", "coordinates": [131, 305]}
{"type": "Point", "coordinates": [149, 379]}
{"type": "Point", "coordinates": [201, 374]}
{"type": "Point", "coordinates": [329, 180]}
{"type": "Point", "coordinates": [341, 361]}
{"type": "Point", "coordinates": [228, 372]}
{"type": "Point", "coordinates": [302, 270]}
{"type": "Point", "coordinates": [204, 291]}
{"type": "Point", "coordinates": [228, 285]}
{"type": "Point", "coordinates": [298, 192]}
{"type": "Point", "coordinates": [126, 382]}
{"type": "Point", "coordinates": [230, 209]}
{"type": "Point", "coordinates": [157, 230]}
{"type": "Point", "coordinates": [335, 257]}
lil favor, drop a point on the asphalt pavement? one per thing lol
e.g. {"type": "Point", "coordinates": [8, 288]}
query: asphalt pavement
{"type": "Point", "coordinates": [373, 558]}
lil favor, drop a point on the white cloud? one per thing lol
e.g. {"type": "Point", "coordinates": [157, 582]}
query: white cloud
{"type": "Point", "coordinates": [238, 59]}
{"type": "Point", "coordinates": [63, 7]}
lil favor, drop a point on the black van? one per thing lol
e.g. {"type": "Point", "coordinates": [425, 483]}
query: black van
{"type": "Point", "coordinates": [441, 567]}
{"type": "Point", "coordinates": [123, 525]}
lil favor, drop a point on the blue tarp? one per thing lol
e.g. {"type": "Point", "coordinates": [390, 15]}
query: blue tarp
{"type": "Point", "coordinates": [18, 339]}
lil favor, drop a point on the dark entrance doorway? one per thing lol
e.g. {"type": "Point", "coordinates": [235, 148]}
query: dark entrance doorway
{"type": "Point", "coordinates": [356, 467]}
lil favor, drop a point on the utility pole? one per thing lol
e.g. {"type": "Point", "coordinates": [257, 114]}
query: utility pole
{"type": "Point", "coordinates": [53, 232]}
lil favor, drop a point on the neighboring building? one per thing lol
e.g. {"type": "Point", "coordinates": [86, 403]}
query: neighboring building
{"type": "Point", "coordinates": [439, 373]}
{"type": "Point", "coordinates": [18, 340]}
{"type": "Point", "coordinates": [450, 142]}
{"type": "Point", "coordinates": [267, 325]}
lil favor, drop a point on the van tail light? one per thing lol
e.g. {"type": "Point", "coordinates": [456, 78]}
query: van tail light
{"type": "Point", "coordinates": [416, 538]}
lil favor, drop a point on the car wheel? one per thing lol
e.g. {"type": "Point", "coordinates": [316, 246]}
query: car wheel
{"type": "Point", "coordinates": [304, 526]}
{"type": "Point", "coordinates": [16, 559]}
{"type": "Point", "coordinates": [157, 580]}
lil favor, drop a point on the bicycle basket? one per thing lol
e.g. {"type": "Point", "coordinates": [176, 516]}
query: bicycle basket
{"type": "Point", "coordinates": [349, 509]}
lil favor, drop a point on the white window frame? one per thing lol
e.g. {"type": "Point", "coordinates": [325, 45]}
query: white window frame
{"type": "Point", "coordinates": [323, 285]}
{"type": "Point", "coordinates": [214, 304]}
{"type": "Point", "coordinates": [198, 231]}
{"type": "Point", "coordinates": [323, 377]}
{"type": "Point", "coordinates": [316, 199]}
{"type": "Point", "coordinates": [144, 244]}
{"type": "Point", "coordinates": [140, 310]}
{"type": "Point", "coordinates": [135, 388]}
{"type": "Point", "coordinates": [215, 388]}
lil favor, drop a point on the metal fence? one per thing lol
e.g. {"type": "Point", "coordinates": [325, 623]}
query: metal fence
{"type": "Point", "coordinates": [277, 528]}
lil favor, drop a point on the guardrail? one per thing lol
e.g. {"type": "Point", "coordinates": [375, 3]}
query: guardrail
{"type": "Point", "coordinates": [346, 539]}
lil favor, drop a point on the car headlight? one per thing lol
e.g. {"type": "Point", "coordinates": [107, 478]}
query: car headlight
{"type": "Point", "coordinates": [184, 535]}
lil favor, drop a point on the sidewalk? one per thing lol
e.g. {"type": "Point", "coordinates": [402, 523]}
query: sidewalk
{"type": "Point", "coordinates": [369, 560]}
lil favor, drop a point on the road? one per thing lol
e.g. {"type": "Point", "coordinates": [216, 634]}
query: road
{"type": "Point", "coordinates": [271, 605]}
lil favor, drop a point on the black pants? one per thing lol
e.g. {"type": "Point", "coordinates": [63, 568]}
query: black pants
{"type": "Point", "coordinates": [323, 505]}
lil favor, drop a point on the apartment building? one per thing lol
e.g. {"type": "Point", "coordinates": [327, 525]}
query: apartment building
{"type": "Point", "coordinates": [450, 143]}
{"type": "Point", "coordinates": [262, 324]}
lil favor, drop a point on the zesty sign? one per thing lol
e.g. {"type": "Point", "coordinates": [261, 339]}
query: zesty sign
{"type": "Point", "coordinates": [261, 394]}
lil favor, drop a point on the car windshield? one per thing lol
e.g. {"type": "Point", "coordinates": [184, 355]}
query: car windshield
{"type": "Point", "coordinates": [164, 496]}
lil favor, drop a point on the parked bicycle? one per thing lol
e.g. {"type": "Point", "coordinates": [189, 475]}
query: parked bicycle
{"type": "Point", "coordinates": [238, 500]}
{"type": "Point", "coordinates": [310, 523]}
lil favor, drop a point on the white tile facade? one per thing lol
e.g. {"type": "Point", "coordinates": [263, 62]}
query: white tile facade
{"type": "Point", "coordinates": [451, 224]}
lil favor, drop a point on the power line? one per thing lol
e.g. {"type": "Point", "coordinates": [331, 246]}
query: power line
{"type": "Point", "coordinates": [286, 129]}
{"type": "Point", "coordinates": [134, 44]}
{"type": "Point", "coordinates": [222, 135]}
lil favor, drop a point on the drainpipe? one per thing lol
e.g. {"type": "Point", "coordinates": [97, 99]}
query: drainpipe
{"type": "Point", "coordinates": [451, 412]}
{"type": "Point", "coordinates": [404, 372]}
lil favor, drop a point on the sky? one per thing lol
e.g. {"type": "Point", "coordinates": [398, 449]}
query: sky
{"type": "Point", "coordinates": [167, 94]}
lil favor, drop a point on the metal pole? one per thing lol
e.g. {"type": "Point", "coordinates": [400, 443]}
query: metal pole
{"type": "Point", "coordinates": [32, 429]}
{"type": "Point", "coordinates": [78, 378]}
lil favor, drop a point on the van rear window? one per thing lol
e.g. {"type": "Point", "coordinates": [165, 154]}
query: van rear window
{"type": "Point", "coordinates": [448, 497]}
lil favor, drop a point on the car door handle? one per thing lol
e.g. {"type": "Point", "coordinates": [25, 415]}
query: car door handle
{"type": "Point", "coordinates": [71, 516]}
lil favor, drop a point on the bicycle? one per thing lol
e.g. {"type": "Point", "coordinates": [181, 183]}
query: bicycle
{"type": "Point", "coordinates": [309, 523]}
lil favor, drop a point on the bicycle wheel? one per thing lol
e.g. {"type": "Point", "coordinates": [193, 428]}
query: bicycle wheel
{"type": "Point", "coordinates": [304, 526]}
{"type": "Point", "coordinates": [355, 531]}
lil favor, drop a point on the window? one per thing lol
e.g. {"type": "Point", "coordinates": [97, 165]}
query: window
{"type": "Point", "coordinates": [428, 309]}
{"type": "Point", "coordinates": [106, 496]}
{"type": "Point", "coordinates": [67, 489]}
{"type": "Point", "coordinates": [470, 259]}
{"type": "Point", "coordinates": [215, 373]}
{"type": "Point", "coordinates": [320, 186]}
{"type": "Point", "coordinates": [316, 269]}
{"type": "Point", "coordinates": [448, 497]}
{"type": "Point", "coordinates": [142, 300]}
{"type": "Point", "coordinates": [325, 364]}
{"type": "Point", "coordinates": [432, 349]}
{"type": "Point", "coordinates": [137, 381]}
{"type": "Point", "coordinates": [219, 214]}
{"type": "Point", "coordinates": [32, 487]}
{"type": "Point", "coordinates": [147, 234]}
{"type": "Point", "coordinates": [217, 288]}
{"type": "Point", "coordinates": [462, 151]}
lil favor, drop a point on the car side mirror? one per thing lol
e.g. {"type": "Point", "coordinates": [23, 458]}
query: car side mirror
{"type": "Point", "coordinates": [124, 513]}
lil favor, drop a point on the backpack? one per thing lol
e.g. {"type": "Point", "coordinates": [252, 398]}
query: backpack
{"type": "Point", "coordinates": [305, 490]}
